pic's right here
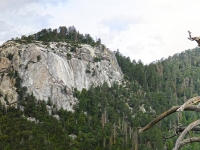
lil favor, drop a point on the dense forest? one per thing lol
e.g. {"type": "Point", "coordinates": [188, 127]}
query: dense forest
{"type": "Point", "coordinates": [99, 122]}
{"type": "Point", "coordinates": [106, 117]}
{"type": "Point", "coordinates": [167, 82]}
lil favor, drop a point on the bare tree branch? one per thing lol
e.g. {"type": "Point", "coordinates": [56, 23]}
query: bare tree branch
{"type": "Point", "coordinates": [189, 102]}
{"type": "Point", "coordinates": [165, 138]}
{"type": "Point", "coordinates": [189, 140]}
{"type": "Point", "coordinates": [189, 127]}
{"type": "Point", "coordinates": [167, 113]}
{"type": "Point", "coordinates": [197, 39]}
{"type": "Point", "coordinates": [181, 129]}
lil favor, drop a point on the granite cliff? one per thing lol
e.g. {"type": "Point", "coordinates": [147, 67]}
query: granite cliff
{"type": "Point", "coordinates": [52, 70]}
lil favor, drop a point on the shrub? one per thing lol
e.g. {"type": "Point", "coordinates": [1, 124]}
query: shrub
{"type": "Point", "coordinates": [11, 74]}
{"type": "Point", "coordinates": [38, 58]}
{"type": "Point", "coordinates": [73, 49]}
{"type": "Point", "coordinates": [26, 67]}
{"type": "Point", "coordinates": [1, 94]}
{"type": "Point", "coordinates": [69, 56]}
{"type": "Point", "coordinates": [93, 73]}
{"type": "Point", "coordinates": [96, 59]}
{"type": "Point", "coordinates": [87, 71]}
{"type": "Point", "coordinates": [10, 56]}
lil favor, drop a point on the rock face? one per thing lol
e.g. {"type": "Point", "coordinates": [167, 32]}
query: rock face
{"type": "Point", "coordinates": [53, 71]}
{"type": "Point", "coordinates": [7, 90]}
{"type": "Point", "coordinates": [4, 64]}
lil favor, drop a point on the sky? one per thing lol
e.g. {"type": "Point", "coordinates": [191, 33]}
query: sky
{"type": "Point", "coordinates": [145, 30]}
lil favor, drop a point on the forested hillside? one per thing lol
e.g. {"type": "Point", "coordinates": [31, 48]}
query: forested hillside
{"type": "Point", "coordinates": [102, 120]}
{"type": "Point", "coordinates": [167, 82]}
{"type": "Point", "coordinates": [104, 117]}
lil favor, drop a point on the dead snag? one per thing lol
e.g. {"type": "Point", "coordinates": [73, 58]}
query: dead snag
{"type": "Point", "coordinates": [167, 113]}
{"type": "Point", "coordinates": [181, 129]}
{"type": "Point", "coordinates": [189, 140]}
{"type": "Point", "coordinates": [197, 39]}
{"type": "Point", "coordinates": [187, 129]}
{"type": "Point", "coordinates": [189, 102]}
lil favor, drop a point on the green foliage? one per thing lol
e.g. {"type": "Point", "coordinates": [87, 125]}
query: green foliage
{"type": "Point", "coordinates": [1, 94]}
{"type": "Point", "coordinates": [93, 73]}
{"type": "Point", "coordinates": [10, 56]}
{"type": "Point", "coordinates": [96, 59]}
{"type": "Point", "coordinates": [26, 67]}
{"type": "Point", "coordinates": [166, 82]}
{"type": "Point", "coordinates": [73, 49]}
{"type": "Point", "coordinates": [16, 132]}
{"type": "Point", "coordinates": [105, 118]}
{"type": "Point", "coordinates": [62, 34]}
{"type": "Point", "coordinates": [95, 123]}
{"type": "Point", "coordinates": [11, 74]}
{"type": "Point", "coordinates": [69, 56]}
{"type": "Point", "coordinates": [38, 58]}
{"type": "Point", "coordinates": [87, 71]}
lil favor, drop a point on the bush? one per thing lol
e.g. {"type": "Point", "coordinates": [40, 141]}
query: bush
{"type": "Point", "coordinates": [11, 74]}
{"type": "Point", "coordinates": [73, 49]}
{"type": "Point", "coordinates": [26, 67]}
{"type": "Point", "coordinates": [10, 56]}
{"type": "Point", "coordinates": [96, 59]}
{"type": "Point", "coordinates": [87, 71]}
{"type": "Point", "coordinates": [69, 56]}
{"type": "Point", "coordinates": [45, 43]}
{"type": "Point", "coordinates": [93, 73]}
{"type": "Point", "coordinates": [38, 58]}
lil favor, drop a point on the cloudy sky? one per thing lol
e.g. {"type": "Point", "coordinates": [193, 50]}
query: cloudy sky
{"type": "Point", "coordinates": [141, 29]}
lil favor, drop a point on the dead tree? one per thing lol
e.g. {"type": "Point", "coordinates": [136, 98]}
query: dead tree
{"type": "Point", "coordinates": [189, 102]}
{"type": "Point", "coordinates": [167, 113]}
{"type": "Point", "coordinates": [187, 106]}
{"type": "Point", "coordinates": [189, 127]}
{"type": "Point", "coordinates": [189, 140]}
{"type": "Point", "coordinates": [197, 39]}
{"type": "Point", "coordinates": [181, 129]}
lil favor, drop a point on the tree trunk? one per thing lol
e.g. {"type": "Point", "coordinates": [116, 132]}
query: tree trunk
{"type": "Point", "coordinates": [136, 139]}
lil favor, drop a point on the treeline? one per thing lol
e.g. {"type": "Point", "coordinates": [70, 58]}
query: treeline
{"type": "Point", "coordinates": [62, 34]}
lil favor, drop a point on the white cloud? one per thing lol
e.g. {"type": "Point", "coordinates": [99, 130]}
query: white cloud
{"type": "Point", "coordinates": [146, 30]}
{"type": "Point", "coordinates": [120, 22]}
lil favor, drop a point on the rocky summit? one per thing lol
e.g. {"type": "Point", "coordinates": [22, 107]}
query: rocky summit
{"type": "Point", "coordinates": [51, 71]}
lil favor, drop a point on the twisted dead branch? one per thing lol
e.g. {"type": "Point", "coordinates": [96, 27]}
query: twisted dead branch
{"type": "Point", "coordinates": [187, 129]}
{"type": "Point", "coordinates": [189, 140]}
{"type": "Point", "coordinates": [189, 102]}
{"type": "Point", "coordinates": [167, 113]}
{"type": "Point", "coordinates": [181, 129]}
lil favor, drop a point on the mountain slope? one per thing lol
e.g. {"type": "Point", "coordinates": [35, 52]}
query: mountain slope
{"type": "Point", "coordinates": [167, 82]}
{"type": "Point", "coordinates": [70, 70]}
{"type": "Point", "coordinates": [105, 117]}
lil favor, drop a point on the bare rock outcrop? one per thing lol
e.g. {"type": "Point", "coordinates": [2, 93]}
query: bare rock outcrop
{"type": "Point", "coordinates": [5, 64]}
{"type": "Point", "coordinates": [52, 72]}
